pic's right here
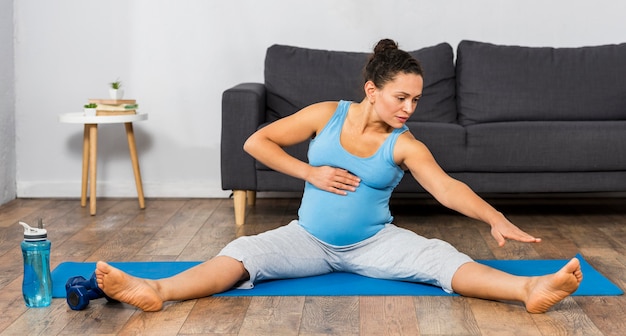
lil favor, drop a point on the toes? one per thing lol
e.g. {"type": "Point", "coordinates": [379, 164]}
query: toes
{"type": "Point", "coordinates": [102, 267]}
{"type": "Point", "coordinates": [572, 265]}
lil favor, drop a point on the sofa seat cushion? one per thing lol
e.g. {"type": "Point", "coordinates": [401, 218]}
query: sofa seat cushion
{"type": "Point", "coordinates": [549, 182]}
{"type": "Point", "coordinates": [510, 83]}
{"type": "Point", "coordinates": [581, 146]}
{"type": "Point", "coordinates": [297, 77]}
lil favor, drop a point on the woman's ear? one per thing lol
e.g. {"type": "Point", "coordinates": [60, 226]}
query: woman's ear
{"type": "Point", "coordinates": [370, 91]}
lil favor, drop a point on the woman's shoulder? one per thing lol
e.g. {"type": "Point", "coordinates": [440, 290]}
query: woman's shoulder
{"type": "Point", "coordinates": [318, 114]}
{"type": "Point", "coordinates": [408, 146]}
{"type": "Point", "coordinates": [406, 140]}
{"type": "Point", "coordinates": [322, 107]}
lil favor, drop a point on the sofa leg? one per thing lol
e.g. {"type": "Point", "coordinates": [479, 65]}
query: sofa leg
{"type": "Point", "coordinates": [251, 196]}
{"type": "Point", "coordinates": [239, 199]}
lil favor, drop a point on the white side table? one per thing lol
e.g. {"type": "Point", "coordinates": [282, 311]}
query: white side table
{"type": "Point", "coordinates": [90, 151]}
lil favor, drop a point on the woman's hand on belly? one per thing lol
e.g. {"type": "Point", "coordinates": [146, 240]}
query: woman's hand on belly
{"type": "Point", "coordinates": [335, 180]}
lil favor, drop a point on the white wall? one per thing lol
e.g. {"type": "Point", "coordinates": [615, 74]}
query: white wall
{"type": "Point", "coordinates": [7, 105]}
{"type": "Point", "coordinates": [177, 57]}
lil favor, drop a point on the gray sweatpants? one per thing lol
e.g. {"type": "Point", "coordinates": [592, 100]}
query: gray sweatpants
{"type": "Point", "coordinates": [393, 253]}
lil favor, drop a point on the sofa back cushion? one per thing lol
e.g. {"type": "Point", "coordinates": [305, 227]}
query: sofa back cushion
{"type": "Point", "coordinates": [297, 77]}
{"type": "Point", "coordinates": [511, 83]}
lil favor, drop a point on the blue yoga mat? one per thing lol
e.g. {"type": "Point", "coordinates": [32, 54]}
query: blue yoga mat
{"type": "Point", "coordinates": [337, 284]}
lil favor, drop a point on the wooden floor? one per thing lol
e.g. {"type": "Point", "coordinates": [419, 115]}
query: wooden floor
{"type": "Point", "coordinates": [196, 229]}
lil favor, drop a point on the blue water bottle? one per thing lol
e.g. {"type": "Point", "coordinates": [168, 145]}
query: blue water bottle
{"type": "Point", "coordinates": [37, 284]}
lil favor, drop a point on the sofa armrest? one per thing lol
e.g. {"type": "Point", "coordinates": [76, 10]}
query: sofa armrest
{"type": "Point", "coordinates": [243, 110]}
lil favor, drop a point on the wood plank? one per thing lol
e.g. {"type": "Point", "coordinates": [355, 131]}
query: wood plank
{"type": "Point", "coordinates": [13, 264]}
{"type": "Point", "coordinates": [608, 313]}
{"type": "Point", "coordinates": [131, 238]}
{"type": "Point", "coordinates": [584, 232]}
{"type": "Point", "coordinates": [12, 303]}
{"type": "Point", "coordinates": [99, 318]}
{"type": "Point", "coordinates": [273, 315]}
{"type": "Point", "coordinates": [615, 228]}
{"type": "Point", "coordinates": [85, 234]}
{"type": "Point", "coordinates": [11, 233]}
{"type": "Point", "coordinates": [553, 245]}
{"type": "Point", "coordinates": [216, 315]}
{"type": "Point", "coordinates": [165, 322]}
{"type": "Point", "coordinates": [324, 315]}
{"type": "Point", "coordinates": [176, 233]}
{"type": "Point", "coordinates": [41, 321]}
{"type": "Point", "coordinates": [566, 318]}
{"type": "Point", "coordinates": [497, 318]}
{"type": "Point", "coordinates": [445, 316]}
{"type": "Point", "coordinates": [213, 235]}
{"type": "Point", "coordinates": [388, 315]}
{"type": "Point", "coordinates": [467, 236]}
{"type": "Point", "coordinates": [20, 209]}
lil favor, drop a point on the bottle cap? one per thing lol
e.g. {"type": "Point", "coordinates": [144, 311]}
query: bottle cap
{"type": "Point", "coordinates": [34, 234]}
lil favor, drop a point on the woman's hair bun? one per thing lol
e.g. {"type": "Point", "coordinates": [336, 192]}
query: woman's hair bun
{"type": "Point", "coordinates": [385, 44]}
{"type": "Point", "coordinates": [387, 61]}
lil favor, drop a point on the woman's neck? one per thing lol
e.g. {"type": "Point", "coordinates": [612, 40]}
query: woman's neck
{"type": "Point", "coordinates": [364, 118]}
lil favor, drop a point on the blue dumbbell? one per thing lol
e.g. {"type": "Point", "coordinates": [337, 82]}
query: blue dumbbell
{"type": "Point", "coordinates": [79, 291]}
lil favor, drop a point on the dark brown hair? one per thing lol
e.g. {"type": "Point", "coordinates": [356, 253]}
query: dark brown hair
{"type": "Point", "coordinates": [387, 61]}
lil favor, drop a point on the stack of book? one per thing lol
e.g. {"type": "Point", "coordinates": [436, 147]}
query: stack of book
{"type": "Point", "coordinates": [109, 107]}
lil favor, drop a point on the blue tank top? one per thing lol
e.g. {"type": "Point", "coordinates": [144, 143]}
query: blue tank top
{"type": "Point", "coordinates": [343, 220]}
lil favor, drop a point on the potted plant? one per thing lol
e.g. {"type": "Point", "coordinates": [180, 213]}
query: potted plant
{"type": "Point", "coordinates": [115, 92]}
{"type": "Point", "coordinates": [90, 109]}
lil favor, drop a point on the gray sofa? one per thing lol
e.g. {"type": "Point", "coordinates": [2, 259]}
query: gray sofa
{"type": "Point", "coordinates": [503, 119]}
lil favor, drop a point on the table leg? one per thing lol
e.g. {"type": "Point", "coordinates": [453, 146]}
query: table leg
{"type": "Point", "coordinates": [93, 164]}
{"type": "Point", "coordinates": [83, 192]}
{"type": "Point", "coordinates": [130, 134]}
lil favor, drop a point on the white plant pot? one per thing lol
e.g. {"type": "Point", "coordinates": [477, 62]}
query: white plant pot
{"type": "Point", "coordinates": [116, 94]}
{"type": "Point", "coordinates": [90, 112]}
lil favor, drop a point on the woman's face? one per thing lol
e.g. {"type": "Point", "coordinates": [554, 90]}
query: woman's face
{"type": "Point", "coordinates": [396, 101]}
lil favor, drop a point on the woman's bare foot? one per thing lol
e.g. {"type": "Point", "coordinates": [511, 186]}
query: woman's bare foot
{"type": "Point", "coordinates": [546, 291]}
{"type": "Point", "coordinates": [125, 288]}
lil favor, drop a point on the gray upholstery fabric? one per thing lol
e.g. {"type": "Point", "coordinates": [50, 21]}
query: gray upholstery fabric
{"type": "Point", "coordinates": [438, 102]}
{"type": "Point", "coordinates": [511, 83]}
{"type": "Point", "coordinates": [445, 141]}
{"type": "Point", "coordinates": [297, 77]}
{"type": "Point", "coordinates": [541, 146]}
{"type": "Point", "coordinates": [533, 183]}
{"type": "Point", "coordinates": [243, 110]}
{"type": "Point", "coordinates": [540, 182]}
